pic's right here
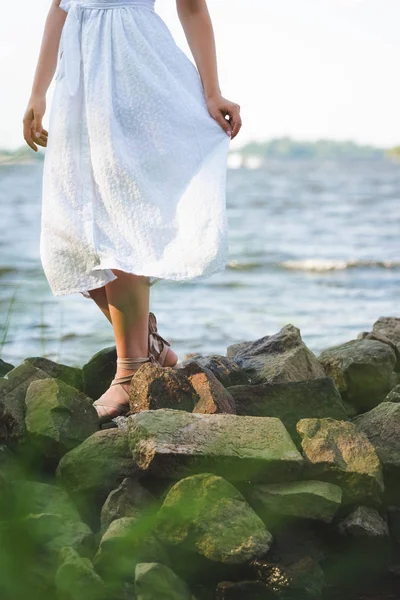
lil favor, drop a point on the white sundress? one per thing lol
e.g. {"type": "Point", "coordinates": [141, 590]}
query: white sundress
{"type": "Point", "coordinates": [134, 175]}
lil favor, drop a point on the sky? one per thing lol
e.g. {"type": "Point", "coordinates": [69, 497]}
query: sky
{"type": "Point", "coordinates": [301, 68]}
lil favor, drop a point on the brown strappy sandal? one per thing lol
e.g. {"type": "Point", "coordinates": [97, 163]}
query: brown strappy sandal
{"type": "Point", "coordinates": [122, 407]}
{"type": "Point", "coordinates": [158, 346]}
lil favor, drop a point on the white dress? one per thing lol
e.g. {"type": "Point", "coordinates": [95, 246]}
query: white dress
{"type": "Point", "coordinates": [135, 169]}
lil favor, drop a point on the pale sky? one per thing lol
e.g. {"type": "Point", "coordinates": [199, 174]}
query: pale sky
{"type": "Point", "coordinates": [302, 68]}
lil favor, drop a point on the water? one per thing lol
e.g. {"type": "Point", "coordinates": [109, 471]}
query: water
{"type": "Point", "coordinates": [315, 244]}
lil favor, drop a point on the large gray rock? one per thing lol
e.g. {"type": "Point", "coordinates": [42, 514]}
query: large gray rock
{"type": "Point", "coordinates": [76, 578]}
{"type": "Point", "coordinates": [362, 370]}
{"type": "Point", "coordinates": [99, 371]}
{"type": "Point", "coordinates": [393, 395]}
{"type": "Point", "coordinates": [95, 468]}
{"type": "Point", "coordinates": [290, 402]}
{"type": "Point", "coordinates": [207, 515]}
{"type": "Point", "coordinates": [337, 451]}
{"type": "Point", "coordinates": [389, 327]}
{"type": "Point", "coordinates": [282, 357]}
{"type": "Point", "coordinates": [364, 521]}
{"type": "Point", "coordinates": [127, 542]}
{"type": "Point", "coordinates": [12, 401]}
{"type": "Point", "coordinates": [382, 427]}
{"type": "Point", "coordinates": [155, 581]}
{"type": "Point", "coordinates": [129, 499]}
{"type": "Point", "coordinates": [317, 500]}
{"type": "Point", "coordinates": [173, 443]}
{"type": "Point", "coordinates": [224, 369]}
{"type": "Point", "coordinates": [58, 417]}
{"type": "Point", "coordinates": [70, 375]}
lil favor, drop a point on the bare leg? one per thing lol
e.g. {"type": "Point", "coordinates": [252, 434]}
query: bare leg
{"type": "Point", "coordinates": [128, 303]}
{"type": "Point", "coordinates": [99, 295]}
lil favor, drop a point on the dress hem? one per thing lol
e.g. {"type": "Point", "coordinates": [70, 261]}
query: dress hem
{"type": "Point", "coordinates": [217, 269]}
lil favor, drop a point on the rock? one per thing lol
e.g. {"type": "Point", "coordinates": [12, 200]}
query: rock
{"type": "Point", "coordinates": [316, 500]}
{"type": "Point", "coordinates": [5, 367]}
{"type": "Point", "coordinates": [339, 452]}
{"type": "Point", "coordinates": [190, 388]}
{"type": "Point", "coordinates": [70, 375]}
{"type": "Point", "coordinates": [390, 328]}
{"type": "Point", "coordinates": [12, 401]}
{"type": "Point", "coordinates": [58, 417]}
{"type": "Point", "coordinates": [302, 578]}
{"type": "Point", "coordinates": [364, 521]}
{"type": "Point", "coordinates": [173, 443]}
{"type": "Point", "coordinates": [362, 370]}
{"type": "Point", "coordinates": [393, 395]}
{"type": "Point", "coordinates": [54, 533]}
{"type": "Point", "coordinates": [212, 396]}
{"type": "Point", "coordinates": [153, 580]}
{"type": "Point", "coordinates": [243, 590]}
{"type": "Point", "coordinates": [48, 517]}
{"type": "Point", "coordinates": [290, 402]}
{"type": "Point", "coordinates": [207, 515]}
{"type": "Point", "coordinates": [155, 387]}
{"type": "Point", "coordinates": [130, 499]}
{"type": "Point", "coordinates": [234, 349]}
{"type": "Point", "coordinates": [99, 371]}
{"type": "Point", "coordinates": [380, 337]}
{"type": "Point", "coordinates": [382, 427]}
{"type": "Point", "coordinates": [282, 357]}
{"type": "Point", "coordinates": [76, 578]}
{"type": "Point", "coordinates": [225, 370]}
{"type": "Point", "coordinates": [95, 468]}
{"type": "Point", "coordinates": [126, 543]}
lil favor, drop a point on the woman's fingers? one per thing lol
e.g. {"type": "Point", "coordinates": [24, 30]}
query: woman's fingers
{"type": "Point", "coordinates": [235, 119]}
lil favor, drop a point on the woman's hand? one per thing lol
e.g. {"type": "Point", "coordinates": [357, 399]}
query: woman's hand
{"type": "Point", "coordinates": [32, 121]}
{"type": "Point", "coordinates": [219, 107]}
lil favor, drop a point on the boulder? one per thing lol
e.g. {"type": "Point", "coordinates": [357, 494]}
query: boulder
{"type": "Point", "coordinates": [225, 370]}
{"type": "Point", "coordinates": [337, 451]}
{"type": "Point", "coordinates": [99, 371]}
{"type": "Point", "coordinates": [70, 375]}
{"type": "Point", "coordinates": [94, 468]}
{"type": "Point", "coordinates": [290, 402]}
{"type": "Point", "coordinates": [129, 499]}
{"type": "Point", "coordinates": [362, 370]}
{"type": "Point", "coordinates": [5, 367]}
{"type": "Point", "coordinates": [126, 543]}
{"type": "Point", "coordinates": [317, 500]}
{"type": "Point", "coordinates": [364, 522]}
{"type": "Point", "coordinates": [173, 443]}
{"type": "Point", "coordinates": [154, 580]}
{"type": "Point", "coordinates": [12, 401]}
{"type": "Point", "coordinates": [212, 396]}
{"type": "Point", "coordinates": [382, 427]}
{"type": "Point", "coordinates": [282, 357]}
{"type": "Point", "coordinates": [190, 388]}
{"type": "Point", "coordinates": [155, 387]}
{"type": "Point", "coordinates": [393, 395]}
{"type": "Point", "coordinates": [48, 518]}
{"type": "Point", "coordinates": [58, 417]}
{"type": "Point", "coordinates": [207, 515]}
{"type": "Point", "coordinates": [390, 328]}
{"type": "Point", "coordinates": [76, 578]}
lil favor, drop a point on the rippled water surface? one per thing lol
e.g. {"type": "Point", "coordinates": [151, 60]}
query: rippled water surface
{"type": "Point", "coordinates": [311, 243]}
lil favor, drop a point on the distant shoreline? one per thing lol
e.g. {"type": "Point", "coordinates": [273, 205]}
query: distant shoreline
{"type": "Point", "coordinates": [256, 153]}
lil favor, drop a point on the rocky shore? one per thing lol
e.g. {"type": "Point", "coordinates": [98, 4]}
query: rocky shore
{"type": "Point", "coordinates": [268, 473]}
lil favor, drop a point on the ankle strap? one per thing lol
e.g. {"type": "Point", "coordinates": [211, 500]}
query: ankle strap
{"type": "Point", "coordinates": [134, 363]}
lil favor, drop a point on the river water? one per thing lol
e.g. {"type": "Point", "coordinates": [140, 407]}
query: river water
{"type": "Point", "coordinates": [315, 244]}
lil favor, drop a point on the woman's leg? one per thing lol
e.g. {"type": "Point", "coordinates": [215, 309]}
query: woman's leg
{"type": "Point", "coordinates": [99, 295]}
